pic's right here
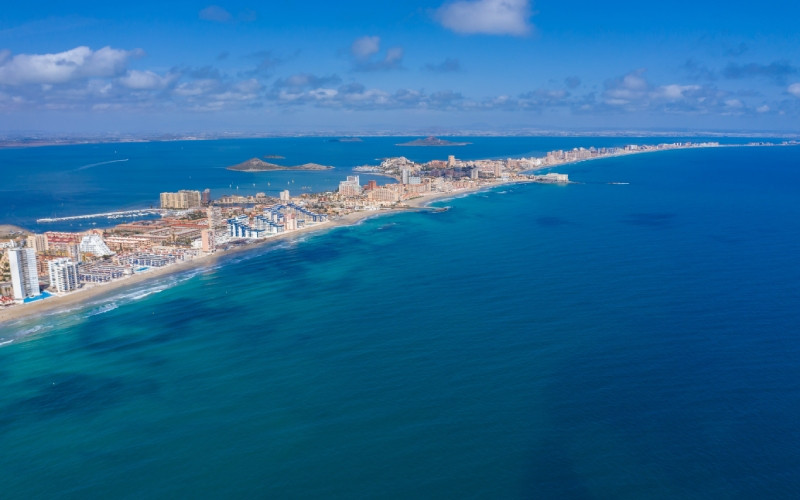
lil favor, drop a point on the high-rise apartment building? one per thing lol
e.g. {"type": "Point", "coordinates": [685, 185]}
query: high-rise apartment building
{"type": "Point", "coordinates": [24, 277]}
{"type": "Point", "coordinates": [181, 200]}
{"type": "Point", "coordinates": [38, 242]}
{"type": "Point", "coordinates": [63, 275]}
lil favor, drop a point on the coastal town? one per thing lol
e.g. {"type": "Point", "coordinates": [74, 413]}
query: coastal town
{"type": "Point", "coordinates": [192, 226]}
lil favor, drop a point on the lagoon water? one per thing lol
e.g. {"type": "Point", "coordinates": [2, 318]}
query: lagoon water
{"type": "Point", "coordinates": [593, 340]}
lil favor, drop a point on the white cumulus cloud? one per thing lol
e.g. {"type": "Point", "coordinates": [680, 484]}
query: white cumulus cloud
{"type": "Point", "coordinates": [63, 67]}
{"type": "Point", "coordinates": [675, 91]}
{"type": "Point", "coordinates": [363, 48]}
{"type": "Point", "coordinates": [146, 80]}
{"type": "Point", "coordinates": [366, 57]}
{"type": "Point", "coordinates": [216, 14]}
{"type": "Point", "coordinates": [488, 17]}
{"type": "Point", "coordinates": [794, 89]}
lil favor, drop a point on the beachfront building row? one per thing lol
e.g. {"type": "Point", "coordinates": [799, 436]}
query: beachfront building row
{"type": "Point", "coordinates": [148, 260]}
{"type": "Point", "coordinates": [101, 272]}
{"type": "Point", "coordinates": [273, 220]}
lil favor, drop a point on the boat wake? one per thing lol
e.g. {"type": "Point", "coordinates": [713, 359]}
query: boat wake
{"type": "Point", "coordinates": [84, 167]}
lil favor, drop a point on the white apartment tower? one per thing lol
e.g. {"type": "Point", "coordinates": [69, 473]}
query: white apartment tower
{"type": "Point", "coordinates": [63, 275]}
{"type": "Point", "coordinates": [24, 278]}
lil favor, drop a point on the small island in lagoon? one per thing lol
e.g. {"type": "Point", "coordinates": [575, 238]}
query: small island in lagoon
{"type": "Point", "coordinates": [258, 165]}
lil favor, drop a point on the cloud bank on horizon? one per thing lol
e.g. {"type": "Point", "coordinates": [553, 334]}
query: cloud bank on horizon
{"type": "Point", "coordinates": [462, 64]}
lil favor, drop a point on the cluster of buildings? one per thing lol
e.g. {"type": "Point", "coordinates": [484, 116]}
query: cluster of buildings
{"type": "Point", "coordinates": [61, 262]}
{"type": "Point", "coordinates": [579, 154]}
{"type": "Point", "coordinates": [273, 220]}
{"type": "Point", "coordinates": [416, 179]}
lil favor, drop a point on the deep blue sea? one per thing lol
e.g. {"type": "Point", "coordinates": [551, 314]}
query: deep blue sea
{"type": "Point", "coordinates": [592, 340]}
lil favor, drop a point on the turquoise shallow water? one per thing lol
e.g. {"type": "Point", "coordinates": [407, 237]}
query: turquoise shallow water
{"type": "Point", "coordinates": [589, 341]}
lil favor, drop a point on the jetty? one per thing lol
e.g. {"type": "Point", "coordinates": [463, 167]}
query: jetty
{"type": "Point", "coordinates": [108, 215]}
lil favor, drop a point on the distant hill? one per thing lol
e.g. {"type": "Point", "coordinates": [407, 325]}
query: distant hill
{"type": "Point", "coordinates": [432, 141]}
{"type": "Point", "coordinates": [257, 165]}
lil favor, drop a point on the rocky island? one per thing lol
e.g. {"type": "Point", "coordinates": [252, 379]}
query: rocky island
{"type": "Point", "coordinates": [257, 165]}
{"type": "Point", "coordinates": [432, 141]}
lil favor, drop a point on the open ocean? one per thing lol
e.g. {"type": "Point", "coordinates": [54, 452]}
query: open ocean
{"type": "Point", "coordinates": [593, 340]}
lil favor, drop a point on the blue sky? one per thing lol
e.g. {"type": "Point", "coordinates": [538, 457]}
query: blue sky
{"type": "Point", "coordinates": [358, 66]}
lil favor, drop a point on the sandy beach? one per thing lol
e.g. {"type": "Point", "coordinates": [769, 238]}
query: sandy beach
{"type": "Point", "coordinates": [90, 294]}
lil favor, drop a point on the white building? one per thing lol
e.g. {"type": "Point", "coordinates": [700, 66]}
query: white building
{"type": "Point", "coordinates": [95, 245]}
{"type": "Point", "coordinates": [554, 177]}
{"type": "Point", "coordinates": [285, 195]}
{"type": "Point", "coordinates": [350, 187]}
{"type": "Point", "coordinates": [63, 274]}
{"type": "Point", "coordinates": [24, 278]}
